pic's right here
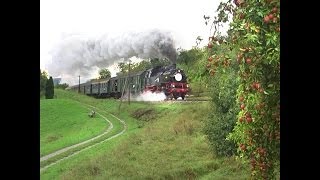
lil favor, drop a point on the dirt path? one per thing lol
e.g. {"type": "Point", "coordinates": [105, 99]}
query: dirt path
{"type": "Point", "coordinates": [43, 158]}
{"type": "Point", "coordinates": [84, 142]}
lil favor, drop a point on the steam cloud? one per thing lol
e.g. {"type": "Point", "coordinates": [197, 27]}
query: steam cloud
{"type": "Point", "coordinates": [78, 55]}
{"type": "Point", "coordinates": [149, 96]}
{"type": "Point", "coordinates": [146, 96]}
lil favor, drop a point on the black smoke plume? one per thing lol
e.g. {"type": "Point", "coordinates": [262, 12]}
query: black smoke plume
{"type": "Point", "coordinates": [78, 55]}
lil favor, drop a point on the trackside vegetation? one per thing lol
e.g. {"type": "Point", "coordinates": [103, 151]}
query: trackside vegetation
{"type": "Point", "coordinates": [163, 140]}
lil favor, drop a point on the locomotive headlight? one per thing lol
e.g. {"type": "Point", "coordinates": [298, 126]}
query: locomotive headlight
{"type": "Point", "coordinates": [178, 77]}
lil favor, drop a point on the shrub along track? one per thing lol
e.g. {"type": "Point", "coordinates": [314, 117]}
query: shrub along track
{"type": "Point", "coordinates": [72, 147]}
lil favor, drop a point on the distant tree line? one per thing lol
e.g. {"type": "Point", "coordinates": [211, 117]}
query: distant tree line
{"type": "Point", "coordinates": [61, 86]}
{"type": "Point", "coordinates": [134, 67]}
{"type": "Point", "coordinates": [141, 66]}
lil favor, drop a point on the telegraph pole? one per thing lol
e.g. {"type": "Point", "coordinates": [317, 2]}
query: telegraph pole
{"type": "Point", "coordinates": [129, 83]}
{"type": "Point", "coordinates": [79, 85]}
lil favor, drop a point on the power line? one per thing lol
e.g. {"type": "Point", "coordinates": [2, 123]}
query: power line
{"type": "Point", "coordinates": [79, 85]}
{"type": "Point", "coordinates": [129, 85]}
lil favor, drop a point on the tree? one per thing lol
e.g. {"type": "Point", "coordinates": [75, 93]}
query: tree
{"type": "Point", "coordinates": [159, 62]}
{"type": "Point", "coordinates": [189, 57]}
{"type": "Point", "coordinates": [43, 81]}
{"type": "Point", "coordinates": [104, 73]}
{"type": "Point", "coordinates": [123, 67]}
{"type": "Point", "coordinates": [255, 35]}
{"type": "Point", "coordinates": [49, 89]}
{"type": "Point", "coordinates": [141, 66]}
{"type": "Point", "coordinates": [193, 63]}
{"type": "Point", "coordinates": [134, 67]}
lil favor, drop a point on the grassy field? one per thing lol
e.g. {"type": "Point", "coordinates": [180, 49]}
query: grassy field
{"type": "Point", "coordinates": [64, 122]}
{"type": "Point", "coordinates": [163, 141]}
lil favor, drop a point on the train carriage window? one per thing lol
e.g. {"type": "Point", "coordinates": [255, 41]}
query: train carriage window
{"type": "Point", "coordinates": [116, 85]}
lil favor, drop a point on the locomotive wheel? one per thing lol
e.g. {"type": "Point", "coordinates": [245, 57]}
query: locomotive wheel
{"type": "Point", "coordinates": [175, 97]}
{"type": "Point", "coordinates": [171, 96]}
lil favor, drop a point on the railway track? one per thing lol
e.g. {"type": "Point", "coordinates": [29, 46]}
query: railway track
{"type": "Point", "coordinates": [182, 101]}
{"type": "Point", "coordinates": [175, 101]}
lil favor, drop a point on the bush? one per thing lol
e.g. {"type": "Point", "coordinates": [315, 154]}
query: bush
{"type": "Point", "coordinates": [143, 114]}
{"type": "Point", "coordinates": [223, 114]}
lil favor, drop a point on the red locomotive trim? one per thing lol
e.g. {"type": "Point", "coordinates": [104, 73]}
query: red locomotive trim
{"type": "Point", "coordinates": [152, 88]}
{"type": "Point", "coordinates": [171, 89]}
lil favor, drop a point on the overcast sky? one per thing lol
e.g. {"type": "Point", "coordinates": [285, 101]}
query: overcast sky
{"type": "Point", "coordinates": [60, 18]}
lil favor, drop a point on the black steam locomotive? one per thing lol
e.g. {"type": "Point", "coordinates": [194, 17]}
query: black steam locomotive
{"type": "Point", "coordinates": [167, 79]}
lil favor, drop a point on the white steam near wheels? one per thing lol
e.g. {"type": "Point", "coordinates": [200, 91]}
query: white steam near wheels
{"type": "Point", "coordinates": [178, 77]}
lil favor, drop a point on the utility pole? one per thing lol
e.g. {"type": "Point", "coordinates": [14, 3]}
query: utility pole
{"type": "Point", "coordinates": [129, 83]}
{"type": "Point", "coordinates": [79, 85]}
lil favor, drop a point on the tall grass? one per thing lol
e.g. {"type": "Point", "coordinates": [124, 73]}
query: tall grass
{"type": "Point", "coordinates": [169, 146]}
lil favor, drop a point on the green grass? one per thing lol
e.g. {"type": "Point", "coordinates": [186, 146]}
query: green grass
{"type": "Point", "coordinates": [169, 146]}
{"type": "Point", "coordinates": [117, 128]}
{"type": "Point", "coordinates": [64, 122]}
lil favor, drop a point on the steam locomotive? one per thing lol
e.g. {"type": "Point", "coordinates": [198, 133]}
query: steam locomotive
{"type": "Point", "coordinates": [167, 79]}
